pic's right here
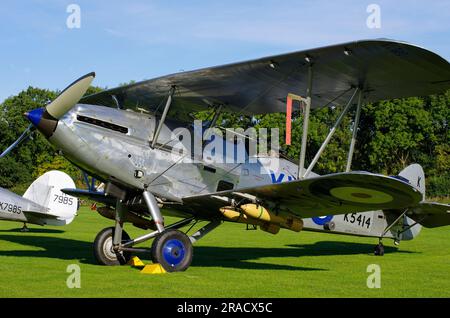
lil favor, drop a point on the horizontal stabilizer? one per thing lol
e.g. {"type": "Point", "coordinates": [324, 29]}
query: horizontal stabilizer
{"type": "Point", "coordinates": [431, 214]}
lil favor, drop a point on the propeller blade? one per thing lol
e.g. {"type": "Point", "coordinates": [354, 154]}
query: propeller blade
{"type": "Point", "coordinates": [70, 96]}
{"type": "Point", "coordinates": [22, 137]}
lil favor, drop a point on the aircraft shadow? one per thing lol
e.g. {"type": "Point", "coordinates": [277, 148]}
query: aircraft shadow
{"type": "Point", "coordinates": [69, 249]}
{"type": "Point", "coordinates": [33, 230]}
{"type": "Point", "coordinates": [242, 257]}
{"type": "Point", "coordinates": [53, 247]}
{"type": "Point", "coordinates": [245, 257]}
{"type": "Point", "coordinates": [204, 256]}
{"type": "Point", "coordinates": [330, 248]}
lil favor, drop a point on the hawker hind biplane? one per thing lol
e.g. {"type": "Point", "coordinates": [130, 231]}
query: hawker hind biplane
{"type": "Point", "coordinates": [126, 136]}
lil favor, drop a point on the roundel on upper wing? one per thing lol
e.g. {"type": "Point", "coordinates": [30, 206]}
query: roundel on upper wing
{"type": "Point", "coordinates": [321, 220]}
{"type": "Point", "coordinates": [361, 195]}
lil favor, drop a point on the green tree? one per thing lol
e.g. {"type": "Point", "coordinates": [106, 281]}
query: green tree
{"type": "Point", "coordinates": [19, 165]}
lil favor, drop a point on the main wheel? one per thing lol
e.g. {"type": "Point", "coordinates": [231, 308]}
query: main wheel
{"type": "Point", "coordinates": [173, 250]}
{"type": "Point", "coordinates": [103, 248]}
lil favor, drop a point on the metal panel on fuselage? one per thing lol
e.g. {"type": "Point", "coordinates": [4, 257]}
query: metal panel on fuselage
{"type": "Point", "coordinates": [12, 206]}
{"type": "Point", "coordinates": [371, 223]}
{"type": "Point", "coordinates": [111, 154]}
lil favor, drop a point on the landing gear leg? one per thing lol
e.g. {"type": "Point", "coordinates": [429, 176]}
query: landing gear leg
{"type": "Point", "coordinates": [108, 243]}
{"type": "Point", "coordinates": [171, 248]}
{"type": "Point", "coordinates": [379, 249]}
{"type": "Point", "coordinates": [24, 228]}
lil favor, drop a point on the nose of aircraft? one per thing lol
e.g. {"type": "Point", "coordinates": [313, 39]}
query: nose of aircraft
{"type": "Point", "coordinates": [41, 119]}
{"type": "Point", "coordinates": [35, 116]}
{"type": "Point", "coordinates": [46, 119]}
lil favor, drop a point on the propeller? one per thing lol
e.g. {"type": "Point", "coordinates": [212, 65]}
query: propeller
{"type": "Point", "coordinates": [46, 119]}
{"type": "Point", "coordinates": [70, 96]}
{"type": "Point", "coordinates": [26, 134]}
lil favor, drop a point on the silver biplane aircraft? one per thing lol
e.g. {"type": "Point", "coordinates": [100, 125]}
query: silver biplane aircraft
{"type": "Point", "coordinates": [43, 203]}
{"type": "Point", "coordinates": [135, 152]}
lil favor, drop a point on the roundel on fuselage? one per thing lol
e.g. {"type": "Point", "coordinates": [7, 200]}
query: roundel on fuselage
{"type": "Point", "coordinates": [321, 220]}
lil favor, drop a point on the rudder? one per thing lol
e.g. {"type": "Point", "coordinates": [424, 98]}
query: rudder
{"type": "Point", "coordinates": [415, 175]}
{"type": "Point", "coordinates": [46, 191]}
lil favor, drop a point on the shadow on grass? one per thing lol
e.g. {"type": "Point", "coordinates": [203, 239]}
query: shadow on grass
{"type": "Point", "coordinates": [204, 256]}
{"type": "Point", "coordinates": [53, 247]}
{"type": "Point", "coordinates": [330, 248]}
{"type": "Point", "coordinates": [244, 258]}
{"type": "Point", "coordinates": [33, 230]}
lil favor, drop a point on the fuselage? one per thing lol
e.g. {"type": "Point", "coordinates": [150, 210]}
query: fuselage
{"type": "Point", "coordinates": [13, 208]}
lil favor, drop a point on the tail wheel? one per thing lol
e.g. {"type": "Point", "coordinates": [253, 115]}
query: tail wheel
{"type": "Point", "coordinates": [173, 250]}
{"type": "Point", "coordinates": [379, 250]}
{"type": "Point", "coordinates": [103, 248]}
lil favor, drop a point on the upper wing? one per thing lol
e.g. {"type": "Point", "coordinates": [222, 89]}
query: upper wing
{"type": "Point", "coordinates": [324, 195]}
{"type": "Point", "coordinates": [386, 69]}
{"type": "Point", "coordinates": [431, 214]}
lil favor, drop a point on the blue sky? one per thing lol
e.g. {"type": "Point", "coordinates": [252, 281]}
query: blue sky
{"type": "Point", "coordinates": [136, 40]}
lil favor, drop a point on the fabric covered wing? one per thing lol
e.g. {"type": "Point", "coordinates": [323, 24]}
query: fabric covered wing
{"type": "Point", "coordinates": [324, 195]}
{"type": "Point", "coordinates": [385, 69]}
{"type": "Point", "coordinates": [431, 214]}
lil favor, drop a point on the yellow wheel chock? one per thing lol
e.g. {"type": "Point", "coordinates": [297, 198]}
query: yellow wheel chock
{"type": "Point", "coordinates": [146, 269]}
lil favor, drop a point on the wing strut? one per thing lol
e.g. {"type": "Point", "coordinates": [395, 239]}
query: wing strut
{"type": "Point", "coordinates": [331, 133]}
{"type": "Point", "coordinates": [306, 112]}
{"type": "Point", "coordinates": [355, 132]}
{"type": "Point", "coordinates": [163, 117]}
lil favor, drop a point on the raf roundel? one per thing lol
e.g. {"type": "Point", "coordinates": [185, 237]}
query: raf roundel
{"type": "Point", "coordinates": [361, 195]}
{"type": "Point", "coordinates": [322, 220]}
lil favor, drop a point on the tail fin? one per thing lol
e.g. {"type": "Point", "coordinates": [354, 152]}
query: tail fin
{"type": "Point", "coordinates": [415, 175]}
{"type": "Point", "coordinates": [46, 191]}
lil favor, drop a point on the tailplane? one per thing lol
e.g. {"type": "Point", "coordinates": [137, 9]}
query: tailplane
{"type": "Point", "coordinates": [46, 191]}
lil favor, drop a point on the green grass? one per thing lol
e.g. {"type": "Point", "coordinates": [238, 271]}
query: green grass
{"type": "Point", "coordinates": [229, 262]}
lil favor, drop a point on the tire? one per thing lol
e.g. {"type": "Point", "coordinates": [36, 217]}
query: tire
{"type": "Point", "coordinates": [103, 252]}
{"type": "Point", "coordinates": [329, 226]}
{"type": "Point", "coordinates": [379, 250]}
{"type": "Point", "coordinates": [173, 250]}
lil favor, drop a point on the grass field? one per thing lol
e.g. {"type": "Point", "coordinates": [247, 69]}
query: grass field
{"type": "Point", "coordinates": [229, 262]}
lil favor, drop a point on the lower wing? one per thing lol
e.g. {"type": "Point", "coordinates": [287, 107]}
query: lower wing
{"type": "Point", "coordinates": [324, 195]}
